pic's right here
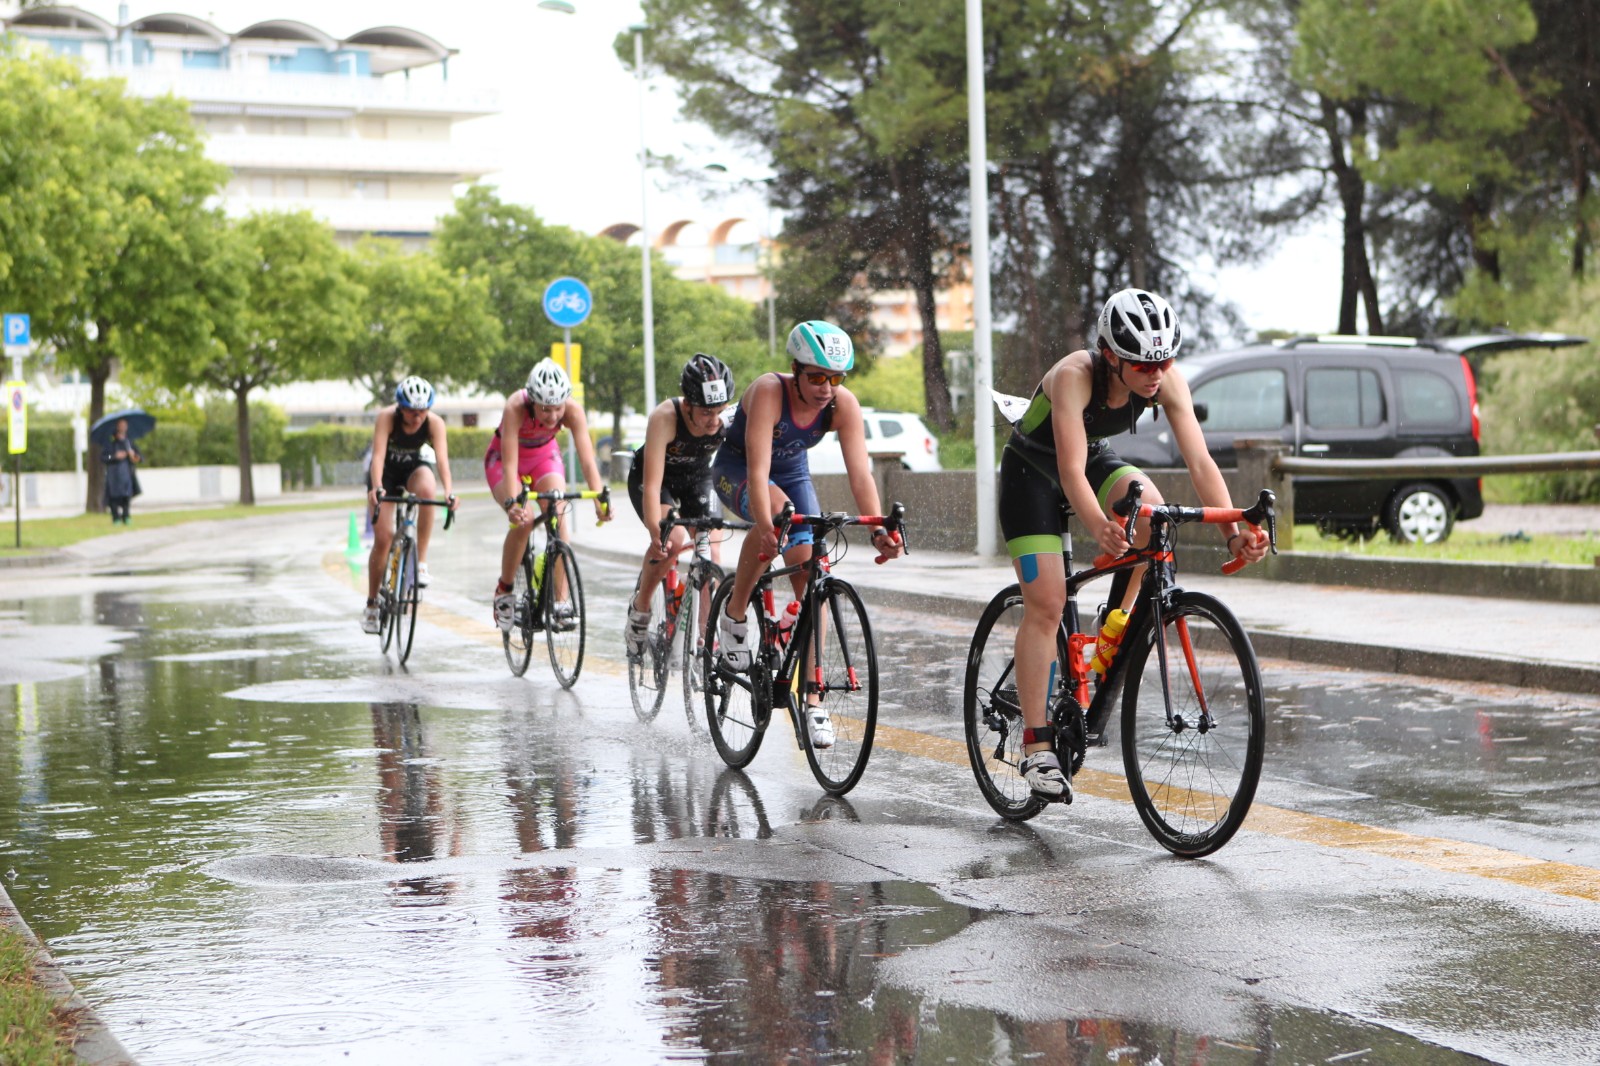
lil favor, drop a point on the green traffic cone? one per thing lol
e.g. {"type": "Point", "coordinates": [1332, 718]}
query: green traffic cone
{"type": "Point", "coordinates": [353, 547]}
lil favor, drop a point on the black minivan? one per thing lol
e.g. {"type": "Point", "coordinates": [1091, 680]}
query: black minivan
{"type": "Point", "coordinates": [1345, 397]}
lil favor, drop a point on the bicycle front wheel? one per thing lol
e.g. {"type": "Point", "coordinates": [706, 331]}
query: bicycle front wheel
{"type": "Point", "coordinates": [1193, 737]}
{"type": "Point", "coordinates": [564, 623]}
{"type": "Point", "coordinates": [647, 668]}
{"type": "Point", "coordinates": [518, 640]}
{"type": "Point", "coordinates": [692, 615]}
{"type": "Point", "coordinates": [738, 702]}
{"type": "Point", "coordinates": [848, 692]}
{"type": "Point", "coordinates": [992, 713]}
{"type": "Point", "coordinates": [406, 602]}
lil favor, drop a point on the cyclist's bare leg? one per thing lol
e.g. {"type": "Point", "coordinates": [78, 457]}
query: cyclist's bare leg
{"type": "Point", "coordinates": [654, 570]}
{"type": "Point", "coordinates": [382, 537]}
{"type": "Point", "coordinates": [422, 483]}
{"type": "Point", "coordinates": [1042, 578]}
{"type": "Point", "coordinates": [751, 564]}
{"type": "Point", "coordinates": [1141, 533]}
{"type": "Point", "coordinates": [511, 554]}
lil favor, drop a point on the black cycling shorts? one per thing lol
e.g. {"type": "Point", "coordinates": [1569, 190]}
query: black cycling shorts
{"type": "Point", "coordinates": [694, 497]}
{"type": "Point", "coordinates": [1030, 501]}
{"type": "Point", "coordinates": [397, 472]}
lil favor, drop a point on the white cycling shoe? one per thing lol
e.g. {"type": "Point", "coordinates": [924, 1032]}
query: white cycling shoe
{"type": "Point", "coordinates": [505, 611]}
{"type": "Point", "coordinates": [735, 643]}
{"type": "Point", "coordinates": [820, 726]}
{"type": "Point", "coordinates": [423, 577]}
{"type": "Point", "coordinates": [638, 631]}
{"type": "Point", "coordinates": [369, 621]}
{"type": "Point", "coordinates": [1042, 771]}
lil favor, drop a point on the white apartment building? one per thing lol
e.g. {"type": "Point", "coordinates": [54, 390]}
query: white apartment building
{"type": "Point", "coordinates": [355, 129]}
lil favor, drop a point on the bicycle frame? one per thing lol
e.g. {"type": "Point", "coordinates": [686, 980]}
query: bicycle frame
{"type": "Point", "coordinates": [702, 568]}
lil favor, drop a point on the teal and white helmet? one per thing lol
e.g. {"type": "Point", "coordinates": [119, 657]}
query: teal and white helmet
{"type": "Point", "coordinates": [821, 344]}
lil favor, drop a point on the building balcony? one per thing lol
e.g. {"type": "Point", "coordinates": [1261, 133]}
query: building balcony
{"type": "Point", "coordinates": [352, 215]}
{"type": "Point", "coordinates": [309, 94]}
{"type": "Point", "coordinates": [347, 155]}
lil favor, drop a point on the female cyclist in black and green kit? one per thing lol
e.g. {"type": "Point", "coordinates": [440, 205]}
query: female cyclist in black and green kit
{"type": "Point", "coordinates": [1059, 450]}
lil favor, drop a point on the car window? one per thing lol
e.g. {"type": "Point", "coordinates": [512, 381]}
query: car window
{"type": "Point", "coordinates": [1343, 398]}
{"type": "Point", "coordinates": [1426, 399]}
{"type": "Point", "coordinates": [866, 427]}
{"type": "Point", "coordinates": [1250, 400]}
{"type": "Point", "coordinates": [891, 428]}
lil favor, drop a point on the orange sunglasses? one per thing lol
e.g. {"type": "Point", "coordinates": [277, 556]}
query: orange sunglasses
{"type": "Point", "coordinates": [817, 377]}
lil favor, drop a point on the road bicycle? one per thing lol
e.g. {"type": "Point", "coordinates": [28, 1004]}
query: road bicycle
{"type": "Point", "coordinates": [398, 591]}
{"type": "Point", "coordinates": [819, 652]}
{"type": "Point", "coordinates": [548, 590]}
{"type": "Point", "coordinates": [681, 603]}
{"type": "Point", "coordinates": [1193, 714]}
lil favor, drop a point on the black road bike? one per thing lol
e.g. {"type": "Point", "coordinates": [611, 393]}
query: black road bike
{"type": "Point", "coordinates": [549, 591]}
{"type": "Point", "coordinates": [398, 591]}
{"type": "Point", "coordinates": [1193, 715]}
{"type": "Point", "coordinates": [679, 606]}
{"type": "Point", "coordinates": [825, 658]}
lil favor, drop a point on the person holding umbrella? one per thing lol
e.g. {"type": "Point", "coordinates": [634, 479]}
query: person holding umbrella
{"type": "Point", "coordinates": [115, 433]}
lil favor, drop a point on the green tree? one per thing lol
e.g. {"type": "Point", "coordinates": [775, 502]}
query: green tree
{"type": "Point", "coordinates": [122, 267]}
{"type": "Point", "coordinates": [295, 316]}
{"type": "Point", "coordinates": [419, 318]}
{"type": "Point", "coordinates": [518, 254]}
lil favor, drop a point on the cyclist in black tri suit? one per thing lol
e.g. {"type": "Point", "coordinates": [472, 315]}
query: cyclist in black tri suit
{"type": "Point", "coordinates": [409, 454]}
{"type": "Point", "coordinates": [673, 467]}
{"type": "Point", "coordinates": [1058, 450]}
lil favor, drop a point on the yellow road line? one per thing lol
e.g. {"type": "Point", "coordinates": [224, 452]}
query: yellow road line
{"type": "Point", "coordinates": [1437, 853]}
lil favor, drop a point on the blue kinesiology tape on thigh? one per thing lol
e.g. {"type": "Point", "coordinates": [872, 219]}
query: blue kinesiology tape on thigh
{"type": "Point", "coordinates": [1030, 568]}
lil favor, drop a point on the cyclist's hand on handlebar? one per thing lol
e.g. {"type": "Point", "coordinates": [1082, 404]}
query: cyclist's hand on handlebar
{"type": "Point", "coordinates": [602, 511]}
{"type": "Point", "coordinates": [889, 545]}
{"type": "Point", "coordinates": [372, 498]}
{"type": "Point", "coordinates": [1112, 538]}
{"type": "Point", "coordinates": [1247, 546]}
{"type": "Point", "coordinates": [767, 535]}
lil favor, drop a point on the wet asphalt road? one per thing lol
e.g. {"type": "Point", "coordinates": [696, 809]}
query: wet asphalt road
{"type": "Point", "coordinates": [251, 838]}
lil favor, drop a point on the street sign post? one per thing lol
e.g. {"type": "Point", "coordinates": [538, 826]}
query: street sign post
{"type": "Point", "coordinates": [567, 303]}
{"type": "Point", "coordinates": [16, 332]}
{"type": "Point", "coordinates": [17, 438]}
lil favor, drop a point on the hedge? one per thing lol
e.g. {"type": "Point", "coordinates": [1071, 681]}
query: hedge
{"type": "Point", "coordinates": [169, 444]}
{"type": "Point", "coordinates": [329, 444]}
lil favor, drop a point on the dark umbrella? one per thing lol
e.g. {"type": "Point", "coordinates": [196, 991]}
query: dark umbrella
{"type": "Point", "coordinates": [105, 428]}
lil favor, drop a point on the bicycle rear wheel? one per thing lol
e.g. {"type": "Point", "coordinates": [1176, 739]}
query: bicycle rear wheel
{"type": "Point", "coordinates": [691, 632]}
{"type": "Point", "coordinates": [849, 673]}
{"type": "Point", "coordinates": [648, 668]}
{"type": "Point", "coordinates": [992, 712]}
{"type": "Point", "coordinates": [1193, 773]}
{"type": "Point", "coordinates": [564, 623]}
{"type": "Point", "coordinates": [406, 602]}
{"type": "Point", "coordinates": [389, 597]}
{"type": "Point", "coordinates": [518, 640]}
{"type": "Point", "coordinates": [738, 703]}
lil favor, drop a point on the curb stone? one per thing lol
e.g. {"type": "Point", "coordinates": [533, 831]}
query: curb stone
{"type": "Point", "coordinates": [92, 1042]}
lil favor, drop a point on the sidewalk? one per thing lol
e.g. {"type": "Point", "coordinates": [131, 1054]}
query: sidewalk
{"type": "Point", "coordinates": [1462, 638]}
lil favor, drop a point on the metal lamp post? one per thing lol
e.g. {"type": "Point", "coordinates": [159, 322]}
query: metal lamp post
{"type": "Point", "coordinates": [638, 29]}
{"type": "Point", "coordinates": [982, 341]}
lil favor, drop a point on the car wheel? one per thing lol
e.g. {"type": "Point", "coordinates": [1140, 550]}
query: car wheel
{"type": "Point", "coordinates": [1419, 514]}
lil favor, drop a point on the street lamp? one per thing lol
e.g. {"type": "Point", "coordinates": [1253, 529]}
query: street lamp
{"type": "Point", "coordinates": [637, 29]}
{"type": "Point", "coordinates": [565, 7]}
{"type": "Point", "coordinates": [982, 340]}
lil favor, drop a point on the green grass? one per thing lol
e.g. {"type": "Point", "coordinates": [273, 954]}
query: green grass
{"type": "Point", "coordinates": [47, 534]}
{"type": "Point", "coordinates": [31, 1033]}
{"type": "Point", "coordinates": [1463, 545]}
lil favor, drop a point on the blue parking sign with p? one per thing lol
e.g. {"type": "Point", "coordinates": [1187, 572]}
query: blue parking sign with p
{"type": "Point", "coordinates": [17, 330]}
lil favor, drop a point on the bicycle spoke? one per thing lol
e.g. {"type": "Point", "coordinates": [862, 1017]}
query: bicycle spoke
{"type": "Point", "coordinates": [845, 686]}
{"type": "Point", "coordinates": [992, 712]}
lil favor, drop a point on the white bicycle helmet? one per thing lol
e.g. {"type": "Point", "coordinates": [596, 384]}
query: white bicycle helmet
{"type": "Point", "coordinates": [821, 344]}
{"type": "Point", "coordinates": [415, 393]}
{"type": "Point", "coordinates": [548, 384]}
{"type": "Point", "coordinates": [1140, 326]}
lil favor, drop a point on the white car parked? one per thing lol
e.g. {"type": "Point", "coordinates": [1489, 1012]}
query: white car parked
{"type": "Point", "coordinates": [888, 433]}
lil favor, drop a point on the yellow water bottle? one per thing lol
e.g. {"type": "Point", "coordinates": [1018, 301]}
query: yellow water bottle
{"type": "Point", "coordinates": [1105, 649]}
{"type": "Point", "coordinates": [538, 569]}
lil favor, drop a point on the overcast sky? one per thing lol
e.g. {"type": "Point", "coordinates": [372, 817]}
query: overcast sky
{"type": "Point", "coordinates": [568, 134]}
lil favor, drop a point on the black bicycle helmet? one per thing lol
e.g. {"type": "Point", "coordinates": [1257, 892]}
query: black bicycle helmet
{"type": "Point", "coordinates": [707, 381]}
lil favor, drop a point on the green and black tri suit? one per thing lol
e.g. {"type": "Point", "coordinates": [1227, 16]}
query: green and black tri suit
{"type": "Point", "coordinates": [1030, 484]}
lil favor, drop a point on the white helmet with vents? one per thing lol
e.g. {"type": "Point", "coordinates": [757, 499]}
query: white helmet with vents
{"type": "Point", "coordinates": [548, 384]}
{"type": "Point", "coordinates": [1140, 326]}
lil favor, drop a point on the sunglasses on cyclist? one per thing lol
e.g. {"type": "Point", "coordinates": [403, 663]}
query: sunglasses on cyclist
{"type": "Point", "coordinates": [1150, 368]}
{"type": "Point", "coordinates": [817, 377]}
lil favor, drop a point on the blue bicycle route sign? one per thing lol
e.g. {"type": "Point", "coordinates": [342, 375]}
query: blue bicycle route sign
{"type": "Point", "coordinates": [17, 331]}
{"type": "Point", "coordinates": [567, 302]}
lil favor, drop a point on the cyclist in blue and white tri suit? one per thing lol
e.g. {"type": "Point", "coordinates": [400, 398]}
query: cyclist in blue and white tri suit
{"type": "Point", "coordinates": [762, 465]}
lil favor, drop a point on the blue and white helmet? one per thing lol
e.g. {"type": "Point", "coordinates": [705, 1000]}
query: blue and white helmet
{"type": "Point", "coordinates": [415, 393]}
{"type": "Point", "coordinates": [821, 344]}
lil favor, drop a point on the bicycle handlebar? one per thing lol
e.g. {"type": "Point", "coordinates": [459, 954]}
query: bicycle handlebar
{"type": "Point", "coordinates": [893, 523]}
{"type": "Point", "coordinates": [449, 517]}
{"type": "Point", "coordinates": [1259, 514]}
{"type": "Point", "coordinates": [601, 494]}
{"type": "Point", "coordinates": [704, 522]}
